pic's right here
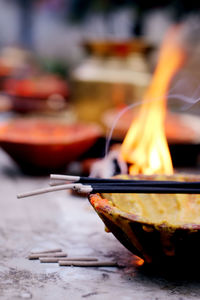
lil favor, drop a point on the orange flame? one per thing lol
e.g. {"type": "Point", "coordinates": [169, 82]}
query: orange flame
{"type": "Point", "coordinates": [145, 145]}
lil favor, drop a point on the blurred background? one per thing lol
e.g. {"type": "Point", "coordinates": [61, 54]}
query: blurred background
{"type": "Point", "coordinates": [65, 63]}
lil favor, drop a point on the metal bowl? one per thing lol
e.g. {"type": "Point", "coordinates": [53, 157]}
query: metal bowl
{"type": "Point", "coordinates": [160, 244]}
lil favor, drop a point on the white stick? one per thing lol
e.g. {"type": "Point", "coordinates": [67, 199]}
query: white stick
{"type": "Point", "coordinates": [57, 259]}
{"type": "Point", "coordinates": [88, 263]}
{"type": "Point", "coordinates": [47, 190]}
{"type": "Point", "coordinates": [65, 177]}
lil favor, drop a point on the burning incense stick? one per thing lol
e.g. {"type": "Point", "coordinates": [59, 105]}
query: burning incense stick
{"type": "Point", "coordinates": [135, 189]}
{"type": "Point", "coordinates": [107, 181]}
{"type": "Point", "coordinates": [120, 186]}
{"type": "Point", "coordinates": [78, 179]}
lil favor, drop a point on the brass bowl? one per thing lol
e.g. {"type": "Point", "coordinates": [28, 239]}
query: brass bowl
{"type": "Point", "coordinates": [157, 243]}
{"type": "Point", "coordinates": [41, 146]}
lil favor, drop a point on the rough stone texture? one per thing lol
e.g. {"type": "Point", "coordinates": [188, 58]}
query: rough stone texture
{"type": "Point", "coordinates": [62, 220]}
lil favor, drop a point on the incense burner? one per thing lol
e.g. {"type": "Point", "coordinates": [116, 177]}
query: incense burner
{"type": "Point", "coordinates": [163, 230]}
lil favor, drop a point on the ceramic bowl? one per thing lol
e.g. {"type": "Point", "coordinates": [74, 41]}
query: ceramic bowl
{"type": "Point", "coordinates": [159, 243]}
{"type": "Point", "coordinates": [38, 145]}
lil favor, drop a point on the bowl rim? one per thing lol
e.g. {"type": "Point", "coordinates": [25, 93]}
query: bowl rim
{"type": "Point", "coordinates": [88, 131]}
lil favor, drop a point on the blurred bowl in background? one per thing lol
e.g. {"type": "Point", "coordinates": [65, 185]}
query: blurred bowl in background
{"type": "Point", "coordinates": [40, 93]}
{"type": "Point", "coordinates": [42, 146]}
{"type": "Point", "coordinates": [180, 128]}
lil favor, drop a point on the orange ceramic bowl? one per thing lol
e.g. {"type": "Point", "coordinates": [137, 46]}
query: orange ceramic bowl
{"type": "Point", "coordinates": [41, 93]}
{"type": "Point", "coordinates": [158, 243]}
{"type": "Point", "coordinates": [42, 145]}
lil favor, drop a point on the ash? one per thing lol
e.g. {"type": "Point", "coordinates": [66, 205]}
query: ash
{"type": "Point", "coordinates": [110, 165]}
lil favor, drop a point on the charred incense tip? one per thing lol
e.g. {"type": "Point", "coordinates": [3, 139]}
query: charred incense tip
{"type": "Point", "coordinates": [55, 254]}
{"type": "Point", "coordinates": [47, 251]}
{"type": "Point", "coordinates": [88, 263]}
{"type": "Point", "coordinates": [74, 259]}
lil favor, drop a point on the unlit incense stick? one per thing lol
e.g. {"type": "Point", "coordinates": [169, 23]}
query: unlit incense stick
{"type": "Point", "coordinates": [57, 259]}
{"type": "Point", "coordinates": [46, 190]}
{"type": "Point", "coordinates": [88, 263]}
{"type": "Point", "coordinates": [55, 254]}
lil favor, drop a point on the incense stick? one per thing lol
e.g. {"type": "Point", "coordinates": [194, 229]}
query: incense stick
{"type": "Point", "coordinates": [119, 186]}
{"type": "Point", "coordinates": [65, 177]}
{"type": "Point", "coordinates": [114, 188]}
{"type": "Point", "coordinates": [79, 179]}
{"type": "Point", "coordinates": [149, 183]}
{"type": "Point", "coordinates": [95, 188]}
{"type": "Point", "coordinates": [88, 264]}
{"type": "Point", "coordinates": [90, 180]}
{"type": "Point", "coordinates": [46, 190]}
{"type": "Point", "coordinates": [57, 259]}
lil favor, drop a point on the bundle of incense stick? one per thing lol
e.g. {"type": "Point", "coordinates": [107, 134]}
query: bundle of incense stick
{"type": "Point", "coordinates": [96, 185]}
{"type": "Point", "coordinates": [60, 257]}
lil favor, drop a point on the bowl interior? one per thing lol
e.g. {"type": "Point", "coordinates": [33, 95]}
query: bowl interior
{"type": "Point", "coordinates": [170, 209]}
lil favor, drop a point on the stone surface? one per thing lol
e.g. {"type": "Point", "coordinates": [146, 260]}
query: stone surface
{"type": "Point", "coordinates": [63, 220]}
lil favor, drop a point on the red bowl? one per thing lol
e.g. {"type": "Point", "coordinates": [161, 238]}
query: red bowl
{"type": "Point", "coordinates": [44, 146]}
{"type": "Point", "coordinates": [44, 92]}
